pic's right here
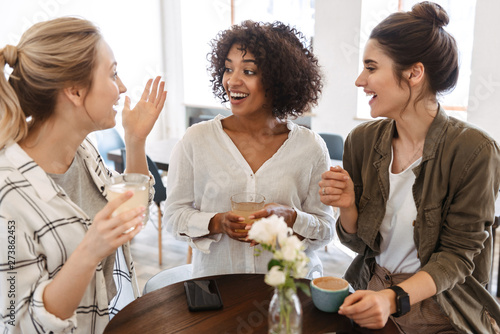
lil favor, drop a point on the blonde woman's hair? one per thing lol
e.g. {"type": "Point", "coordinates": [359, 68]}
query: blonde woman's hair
{"type": "Point", "coordinates": [50, 56]}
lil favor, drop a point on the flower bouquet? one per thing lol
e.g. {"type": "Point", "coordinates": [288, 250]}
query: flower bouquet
{"type": "Point", "coordinates": [288, 262]}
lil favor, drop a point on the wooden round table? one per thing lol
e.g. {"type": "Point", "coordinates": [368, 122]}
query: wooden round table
{"type": "Point", "coordinates": [246, 300]}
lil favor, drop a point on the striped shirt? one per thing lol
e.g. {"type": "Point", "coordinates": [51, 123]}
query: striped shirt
{"type": "Point", "coordinates": [40, 227]}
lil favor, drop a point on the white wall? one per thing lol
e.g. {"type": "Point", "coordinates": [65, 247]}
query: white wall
{"type": "Point", "coordinates": [484, 94]}
{"type": "Point", "coordinates": [336, 41]}
{"type": "Point", "coordinates": [336, 44]}
{"type": "Point", "coordinates": [138, 58]}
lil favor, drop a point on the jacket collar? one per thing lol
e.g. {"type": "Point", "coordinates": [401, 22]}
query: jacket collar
{"type": "Point", "coordinates": [383, 146]}
{"type": "Point", "coordinates": [434, 135]}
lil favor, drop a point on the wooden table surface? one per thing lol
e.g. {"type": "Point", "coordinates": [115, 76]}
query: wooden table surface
{"type": "Point", "coordinates": [246, 300]}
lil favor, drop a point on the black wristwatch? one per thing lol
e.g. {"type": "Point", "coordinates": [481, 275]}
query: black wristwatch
{"type": "Point", "coordinates": [402, 301]}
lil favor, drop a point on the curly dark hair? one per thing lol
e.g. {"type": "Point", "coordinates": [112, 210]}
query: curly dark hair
{"type": "Point", "coordinates": [290, 71]}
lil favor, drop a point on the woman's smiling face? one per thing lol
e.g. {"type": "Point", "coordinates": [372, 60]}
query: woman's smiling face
{"type": "Point", "coordinates": [378, 80]}
{"type": "Point", "coordinates": [101, 100]}
{"type": "Point", "coordinates": [242, 81]}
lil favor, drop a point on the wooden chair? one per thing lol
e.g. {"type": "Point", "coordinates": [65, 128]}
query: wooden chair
{"type": "Point", "coordinates": [189, 255]}
{"type": "Point", "coordinates": [494, 232]}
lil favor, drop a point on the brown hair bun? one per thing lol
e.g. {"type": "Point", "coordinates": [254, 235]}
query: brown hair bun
{"type": "Point", "coordinates": [431, 12]}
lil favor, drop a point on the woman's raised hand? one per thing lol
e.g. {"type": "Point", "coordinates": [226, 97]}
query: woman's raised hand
{"type": "Point", "coordinates": [139, 121]}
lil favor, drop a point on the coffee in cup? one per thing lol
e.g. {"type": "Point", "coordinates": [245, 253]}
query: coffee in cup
{"type": "Point", "coordinates": [329, 292]}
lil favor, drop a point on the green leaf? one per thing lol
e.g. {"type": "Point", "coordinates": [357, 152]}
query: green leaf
{"type": "Point", "coordinates": [273, 263]}
{"type": "Point", "coordinates": [304, 287]}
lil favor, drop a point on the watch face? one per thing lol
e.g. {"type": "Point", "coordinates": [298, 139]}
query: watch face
{"type": "Point", "coordinates": [402, 301]}
{"type": "Point", "coordinates": [403, 304]}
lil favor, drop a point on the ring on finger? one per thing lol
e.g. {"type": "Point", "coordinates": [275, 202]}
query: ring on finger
{"type": "Point", "coordinates": [324, 193]}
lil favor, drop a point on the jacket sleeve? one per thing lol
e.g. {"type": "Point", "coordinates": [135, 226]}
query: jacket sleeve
{"type": "Point", "coordinates": [471, 212]}
{"type": "Point", "coordinates": [352, 241]}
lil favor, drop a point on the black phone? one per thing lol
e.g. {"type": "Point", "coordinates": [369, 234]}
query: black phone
{"type": "Point", "coordinates": [202, 295]}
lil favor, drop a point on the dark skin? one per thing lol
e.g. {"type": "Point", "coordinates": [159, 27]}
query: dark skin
{"type": "Point", "coordinates": [228, 222]}
{"type": "Point", "coordinates": [255, 132]}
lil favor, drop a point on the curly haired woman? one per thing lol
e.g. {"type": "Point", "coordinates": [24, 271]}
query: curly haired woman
{"type": "Point", "coordinates": [268, 75]}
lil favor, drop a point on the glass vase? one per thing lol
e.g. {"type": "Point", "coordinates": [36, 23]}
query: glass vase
{"type": "Point", "coordinates": [285, 312]}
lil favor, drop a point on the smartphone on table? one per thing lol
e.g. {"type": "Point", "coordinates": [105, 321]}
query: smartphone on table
{"type": "Point", "coordinates": [202, 295]}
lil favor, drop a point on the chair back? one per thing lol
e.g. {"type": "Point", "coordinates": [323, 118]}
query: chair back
{"type": "Point", "coordinates": [108, 140]}
{"type": "Point", "coordinates": [335, 145]}
{"type": "Point", "coordinates": [168, 277]}
{"type": "Point", "coordinates": [160, 189]}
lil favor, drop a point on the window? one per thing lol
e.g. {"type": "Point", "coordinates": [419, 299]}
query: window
{"type": "Point", "coordinates": [461, 26]}
{"type": "Point", "coordinates": [216, 15]}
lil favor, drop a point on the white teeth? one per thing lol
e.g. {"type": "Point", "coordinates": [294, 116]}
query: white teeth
{"type": "Point", "coordinates": [370, 94]}
{"type": "Point", "coordinates": [238, 95]}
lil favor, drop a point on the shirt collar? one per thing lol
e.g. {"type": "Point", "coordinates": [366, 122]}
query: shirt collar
{"type": "Point", "coordinates": [42, 184]}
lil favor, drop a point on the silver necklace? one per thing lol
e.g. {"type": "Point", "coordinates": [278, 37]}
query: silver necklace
{"type": "Point", "coordinates": [411, 160]}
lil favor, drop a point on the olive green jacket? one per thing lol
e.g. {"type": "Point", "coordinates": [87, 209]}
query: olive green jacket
{"type": "Point", "coordinates": [454, 191]}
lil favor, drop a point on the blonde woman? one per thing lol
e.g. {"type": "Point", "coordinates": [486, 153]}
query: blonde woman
{"type": "Point", "coordinates": [57, 234]}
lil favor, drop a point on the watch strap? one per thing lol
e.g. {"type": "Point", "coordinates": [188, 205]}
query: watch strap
{"type": "Point", "coordinates": [402, 301]}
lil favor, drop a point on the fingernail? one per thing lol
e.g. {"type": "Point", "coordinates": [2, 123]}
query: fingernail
{"type": "Point", "coordinates": [248, 227]}
{"type": "Point", "coordinates": [251, 217]}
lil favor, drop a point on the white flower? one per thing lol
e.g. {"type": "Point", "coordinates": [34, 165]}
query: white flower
{"type": "Point", "coordinates": [275, 276]}
{"type": "Point", "coordinates": [267, 230]}
{"type": "Point", "coordinates": [290, 248]}
{"type": "Point", "coordinates": [301, 265]}
{"type": "Point", "coordinates": [288, 251]}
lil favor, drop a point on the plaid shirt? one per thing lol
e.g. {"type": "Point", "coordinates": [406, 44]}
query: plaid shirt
{"type": "Point", "coordinates": [39, 229]}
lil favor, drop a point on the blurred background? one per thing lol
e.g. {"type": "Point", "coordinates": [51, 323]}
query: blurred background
{"type": "Point", "coordinates": [171, 38]}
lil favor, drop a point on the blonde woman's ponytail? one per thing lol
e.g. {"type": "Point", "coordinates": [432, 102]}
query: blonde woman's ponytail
{"type": "Point", "coordinates": [49, 57]}
{"type": "Point", "coordinates": [13, 125]}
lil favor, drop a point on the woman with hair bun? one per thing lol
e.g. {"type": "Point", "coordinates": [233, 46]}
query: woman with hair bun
{"type": "Point", "coordinates": [417, 192]}
{"type": "Point", "coordinates": [268, 75]}
{"type": "Point", "coordinates": [58, 236]}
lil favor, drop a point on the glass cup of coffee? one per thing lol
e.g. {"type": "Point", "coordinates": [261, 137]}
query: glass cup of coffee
{"type": "Point", "coordinates": [137, 183]}
{"type": "Point", "coordinates": [245, 204]}
{"type": "Point", "coordinates": [329, 292]}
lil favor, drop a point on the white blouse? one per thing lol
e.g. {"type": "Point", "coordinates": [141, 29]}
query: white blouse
{"type": "Point", "coordinates": [207, 168]}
